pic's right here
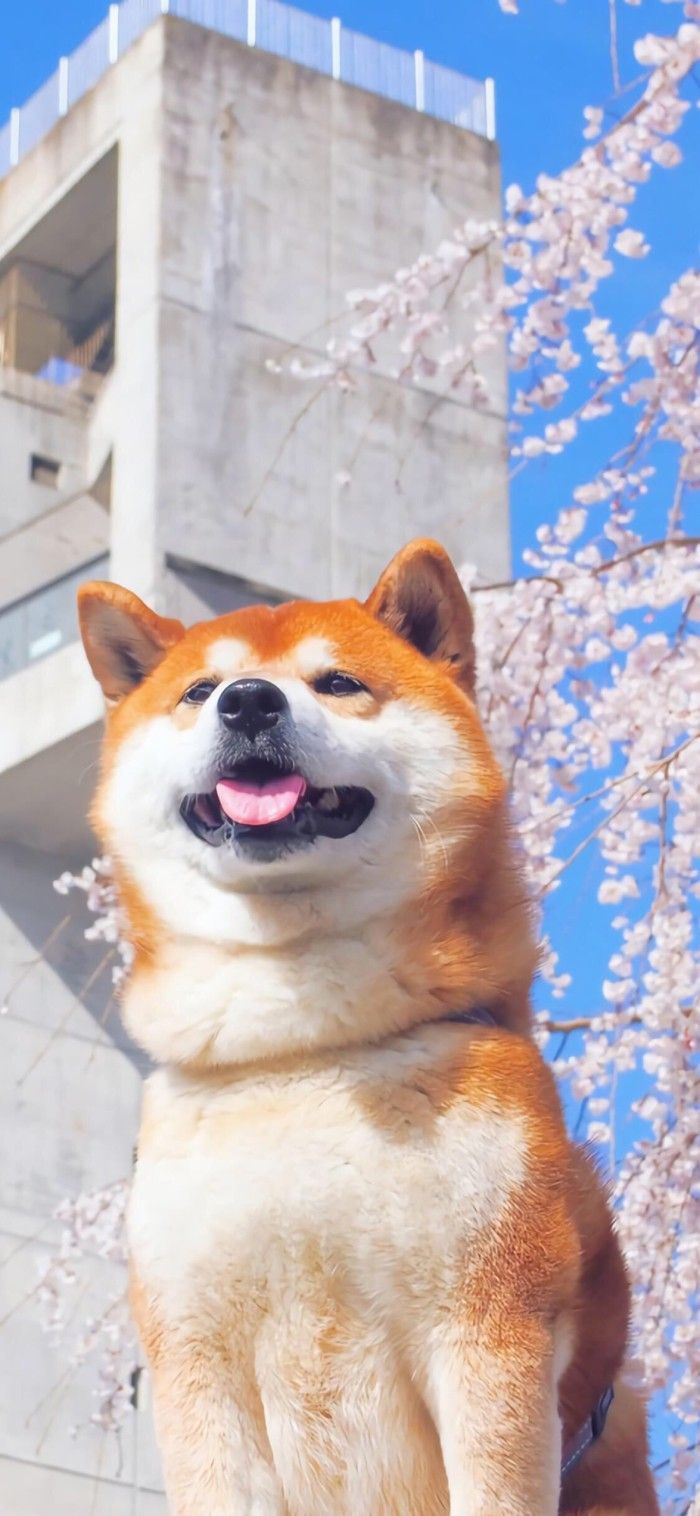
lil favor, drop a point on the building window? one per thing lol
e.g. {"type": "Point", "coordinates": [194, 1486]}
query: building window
{"type": "Point", "coordinates": [44, 470]}
{"type": "Point", "coordinates": [46, 620]}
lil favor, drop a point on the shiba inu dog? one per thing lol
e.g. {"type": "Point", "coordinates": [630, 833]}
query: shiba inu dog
{"type": "Point", "coordinates": [371, 1274]}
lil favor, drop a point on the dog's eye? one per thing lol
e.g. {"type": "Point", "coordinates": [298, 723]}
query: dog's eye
{"type": "Point", "coordinates": [199, 692]}
{"type": "Point", "coordinates": [335, 683]}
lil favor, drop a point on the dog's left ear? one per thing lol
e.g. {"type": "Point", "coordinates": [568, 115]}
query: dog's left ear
{"type": "Point", "coordinates": [123, 639]}
{"type": "Point", "coordinates": [420, 597]}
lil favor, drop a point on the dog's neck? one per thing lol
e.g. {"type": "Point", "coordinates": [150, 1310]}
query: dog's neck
{"type": "Point", "coordinates": [299, 985]}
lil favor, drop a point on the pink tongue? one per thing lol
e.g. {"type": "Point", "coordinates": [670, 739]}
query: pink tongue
{"type": "Point", "coordinates": [259, 804]}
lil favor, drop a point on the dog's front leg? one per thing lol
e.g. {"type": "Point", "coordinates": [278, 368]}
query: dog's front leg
{"type": "Point", "coordinates": [494, 1398]}
{"type": "Point", "coordinates": [214, 1448]}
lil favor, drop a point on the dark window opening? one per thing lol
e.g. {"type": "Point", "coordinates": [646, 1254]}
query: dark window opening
{"type": "Point", "coordinates": [44, 470]}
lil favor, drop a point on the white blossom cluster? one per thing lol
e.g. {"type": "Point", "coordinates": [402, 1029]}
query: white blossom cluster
{"type": "Point", "coordinates": [590, 685]}
{"type": "Point", "coordinates": [691, 8]}
{"type": "Point", "coordinates": [92, 1226]}
{"type": "Point", "coordinates": [95, 881]}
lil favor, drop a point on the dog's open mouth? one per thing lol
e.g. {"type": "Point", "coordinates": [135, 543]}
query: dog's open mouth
{"type": "Point", "coordinates": [267, 812]}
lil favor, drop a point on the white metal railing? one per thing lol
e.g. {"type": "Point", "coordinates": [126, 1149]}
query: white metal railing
{"type": "Point", "coordinates": [275, 27]}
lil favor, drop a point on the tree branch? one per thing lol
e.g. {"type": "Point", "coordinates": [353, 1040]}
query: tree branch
{"type": "Point", "coordinates": [658, 545]}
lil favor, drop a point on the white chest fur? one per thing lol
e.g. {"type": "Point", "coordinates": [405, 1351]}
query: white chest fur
{"type": "Point", "coordinates": [320, 1223]}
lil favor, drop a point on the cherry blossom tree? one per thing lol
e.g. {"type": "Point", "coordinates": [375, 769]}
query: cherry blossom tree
{"type": "Point", "coordinates": [589, 669]}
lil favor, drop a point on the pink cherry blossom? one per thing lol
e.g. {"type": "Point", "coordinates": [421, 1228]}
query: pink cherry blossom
{"type": "Point", "coordinates": [630, 243]}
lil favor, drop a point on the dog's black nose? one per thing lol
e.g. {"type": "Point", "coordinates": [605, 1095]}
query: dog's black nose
{"type": "Point", "coordinates": [251, 706]}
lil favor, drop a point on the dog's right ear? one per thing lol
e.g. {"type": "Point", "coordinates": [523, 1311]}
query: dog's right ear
{"type": "Point", "coordinates": [123, 639]}
{"type": "Point", "coordinates": [420, 598]}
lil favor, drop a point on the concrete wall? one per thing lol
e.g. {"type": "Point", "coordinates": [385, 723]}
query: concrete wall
{"type": "Point", "coordinates": [280, 191]}
{"type": "Point", "coordinates": [36, 417]}
{"type": "Point", "coordinates": [67, 1122]}
{"type": "Point", "coordinates": [34, 556]}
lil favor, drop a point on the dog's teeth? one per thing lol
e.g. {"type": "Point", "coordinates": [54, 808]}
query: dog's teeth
{"type": "Point", "coordinates": [328, 800]}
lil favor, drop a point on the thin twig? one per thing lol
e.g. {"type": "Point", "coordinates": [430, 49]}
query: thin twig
{"type": "Point", "coordinates": [282, 445]}
{"type": "Point", "coordinates": [25, 1242]}
{"type": "Point", "coordinates": [534, 695]}
{"type": "Point", "coordinates": [580, 1024]}
{"type": "Point", "coordinates": [663, 764]}
{"type": "Point", "coordinates": [604, 789]}
{"type": "Point", "coordinates": [61, 1025]}
{"type": "Point", "coordinates": [37, 959]}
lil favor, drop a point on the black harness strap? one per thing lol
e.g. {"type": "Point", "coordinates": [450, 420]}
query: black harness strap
{"type": "Point", "coordinates": [586, 1435]}
{"type": "Point", "coordinates": [593, 1427]}
{"type": "Point", "coordinates": [478, 1016]}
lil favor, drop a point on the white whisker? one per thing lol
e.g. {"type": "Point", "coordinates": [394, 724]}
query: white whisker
{"type": "Point", "coordinates": [441, 841]}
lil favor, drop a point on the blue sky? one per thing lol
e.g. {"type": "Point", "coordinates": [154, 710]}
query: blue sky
{"type": "Point", "coordinates": [548, 63]}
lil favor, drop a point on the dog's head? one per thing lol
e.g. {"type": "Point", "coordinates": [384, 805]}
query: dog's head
{"type": "Point", "coordinates": [303, 768]}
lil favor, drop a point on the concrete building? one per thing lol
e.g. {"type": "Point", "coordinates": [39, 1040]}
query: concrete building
{"type": "Point", "coordinates": [180, 211]}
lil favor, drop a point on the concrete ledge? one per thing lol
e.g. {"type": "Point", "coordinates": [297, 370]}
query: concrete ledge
{"type": "Point", "coordinates": [45, 703]}
{"type": "Point", "coordinates": [44, 396]}
{"type": "Point", "coordinates": [30, 1489]}
{"type": "Point", "coordinates": [46, 549]}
